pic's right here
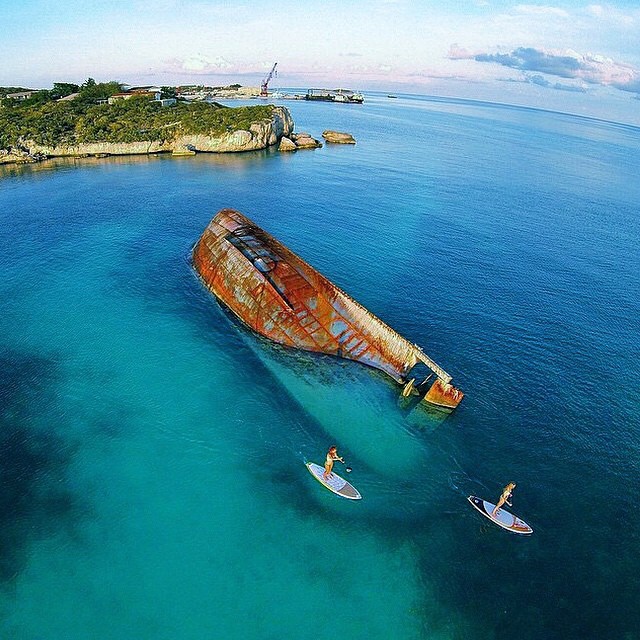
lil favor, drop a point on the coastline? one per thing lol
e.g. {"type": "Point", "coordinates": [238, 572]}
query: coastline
{"type": "Point", "coordinates": [257, 136]}
{"type": "Point", "coordinates": [141, 420]}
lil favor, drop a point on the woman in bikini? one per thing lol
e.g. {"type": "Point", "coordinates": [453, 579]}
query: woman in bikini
{"type": "Point", "coordinates": [506, 494]}
{"type": "Point", "coordinates": [332, 456]}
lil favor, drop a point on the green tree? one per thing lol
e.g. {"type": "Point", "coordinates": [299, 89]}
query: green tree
{"type": "Point", "coordinates": [85, 119]}
{"type": "Point", "coordinates": [40, 97]}
{"type": "Point", "coordinates": [62, 89]}
{"type": "Point", "coordinates": [92, 92]}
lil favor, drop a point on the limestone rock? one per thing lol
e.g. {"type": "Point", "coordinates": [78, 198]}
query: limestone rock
{"type": "Point", "coordinates": [99, 149]}
{"type": "Point", "coordinates": [286, 144]}
{"type": "Point", "coordinates": [338, 137]}
{"type": "Point", "coordinates": [305, 141]}
{"type": "Point", "coordinates": [16, 156]}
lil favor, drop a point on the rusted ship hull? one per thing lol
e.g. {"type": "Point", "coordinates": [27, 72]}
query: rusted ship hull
{"type": "Point", "coordinates": [280, 296]}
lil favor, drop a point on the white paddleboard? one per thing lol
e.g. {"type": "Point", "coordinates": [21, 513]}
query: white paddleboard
{"type": "Point", "coordinates": [334, 482]}
{"type": "Point", "coordinates": [503, 518]}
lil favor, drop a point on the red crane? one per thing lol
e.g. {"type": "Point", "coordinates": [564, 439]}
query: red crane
{"type": "Point", "coordinates": [265, 82]}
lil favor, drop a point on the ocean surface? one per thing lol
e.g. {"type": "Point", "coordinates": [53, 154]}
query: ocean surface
{"type": "Point", "coordinates": [152, 449]}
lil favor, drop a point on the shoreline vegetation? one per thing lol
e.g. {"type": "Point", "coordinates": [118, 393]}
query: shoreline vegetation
{"type": "Point", "coordinates": [102, 119]}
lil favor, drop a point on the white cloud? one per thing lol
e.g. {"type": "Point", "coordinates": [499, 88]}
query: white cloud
{"type": "Point", "coordinates": [199, 64]}
{"type": "Point", "coordinates": [596, 10]}
{"type": "Point", "coordinates": [540, 10]}
{"type": "Point", "coordinates": [613, 15]}
{"type": "Point", "coordinates": [456, 52]}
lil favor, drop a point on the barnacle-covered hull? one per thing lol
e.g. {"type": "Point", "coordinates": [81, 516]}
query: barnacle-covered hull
{"type": "Point", "coordinates": [280, 296]}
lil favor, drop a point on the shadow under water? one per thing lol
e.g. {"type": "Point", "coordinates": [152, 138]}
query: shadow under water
{"type": "Point", "coordinates": [33, 460]}
{"type": "Point", "coordinates": [356, 406]}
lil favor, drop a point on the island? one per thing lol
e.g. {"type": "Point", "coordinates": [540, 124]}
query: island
{"type": "Point", "coordinates": [102, 119]}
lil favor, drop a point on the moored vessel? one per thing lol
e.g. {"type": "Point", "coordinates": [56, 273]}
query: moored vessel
{"type": "Point", "coordinates": [345, 96]}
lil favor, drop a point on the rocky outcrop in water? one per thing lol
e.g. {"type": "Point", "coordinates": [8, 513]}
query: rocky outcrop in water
{"type": "Point", "coordinates": [297, 141]}
{"type": "Point", "coordinates": [259, 135]}
{"type": "Point", "coordinates": [305, 141]}
{"type": "Point", "coordinates": [287, 144]}
{"type": "Point", "coordinates": [16, 156]}
{"type": "Point", "coordinates": [338, 137]}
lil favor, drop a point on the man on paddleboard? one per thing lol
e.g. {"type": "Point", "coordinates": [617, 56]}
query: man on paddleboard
{"type": "Point", "coordinates": [506, 494]}
{"type": "Point", "coordinates": [332, 456]}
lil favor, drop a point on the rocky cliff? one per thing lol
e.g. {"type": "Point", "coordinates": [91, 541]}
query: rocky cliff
{"type": "Point", "coordinates": [259, 135]}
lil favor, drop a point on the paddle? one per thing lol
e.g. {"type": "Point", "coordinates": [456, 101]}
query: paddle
{"type": "Point", "coordinates": [347, 469]}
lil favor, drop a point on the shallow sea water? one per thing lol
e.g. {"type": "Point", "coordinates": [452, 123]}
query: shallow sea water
{"type": "Point", "coordinates": [152, 449]}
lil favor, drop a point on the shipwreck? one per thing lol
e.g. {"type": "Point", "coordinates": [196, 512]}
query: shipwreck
{"type": "Point", "coordinates": [280, 296]}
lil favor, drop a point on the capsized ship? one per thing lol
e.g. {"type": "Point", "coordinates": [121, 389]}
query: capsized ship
{"type": "Point", "coordinates": [283, 298]}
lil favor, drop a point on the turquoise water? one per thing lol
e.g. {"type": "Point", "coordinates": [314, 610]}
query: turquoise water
{"type": "Point", "coordinates": [152, 448]}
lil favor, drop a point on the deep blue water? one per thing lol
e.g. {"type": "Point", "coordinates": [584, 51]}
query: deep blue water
{"type": "Point", "coordinates": [152, 449]}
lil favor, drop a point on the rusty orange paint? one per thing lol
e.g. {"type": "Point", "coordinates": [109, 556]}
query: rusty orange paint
{"type": "Point", "coordinates": [443, 395]}
{"type": "Point", "coordinates": [280, 296]}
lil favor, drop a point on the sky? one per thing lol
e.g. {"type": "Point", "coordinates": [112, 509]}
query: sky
{"type": "Point", "coordinates": [581, 54]}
